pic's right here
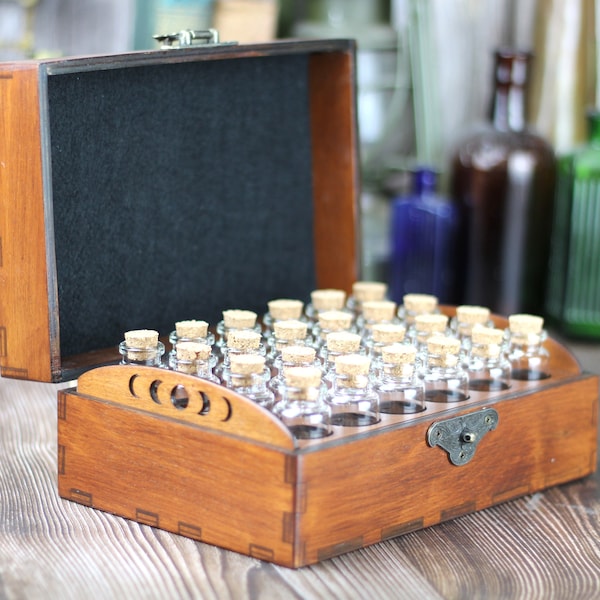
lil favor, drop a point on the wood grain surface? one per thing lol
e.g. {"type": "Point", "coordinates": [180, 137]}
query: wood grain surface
{"type": "Point", "coordinates": [545, 545]}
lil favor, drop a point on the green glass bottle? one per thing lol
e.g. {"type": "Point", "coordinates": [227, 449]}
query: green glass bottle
{"type": "Point", "coordinates": [573, 298]}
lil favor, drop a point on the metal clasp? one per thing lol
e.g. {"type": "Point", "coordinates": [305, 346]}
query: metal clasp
{"type": "Point", "coordinates": [187, 37]}
{"type": "Point", "coordinates": [459, 436]}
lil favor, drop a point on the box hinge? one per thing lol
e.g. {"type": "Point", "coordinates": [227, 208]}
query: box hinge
{"type": "Point", "coordinates": [189, 37]}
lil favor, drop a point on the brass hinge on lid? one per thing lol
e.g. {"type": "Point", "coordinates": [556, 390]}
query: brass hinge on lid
{"type": "Point", "coordinates": [189, 37]}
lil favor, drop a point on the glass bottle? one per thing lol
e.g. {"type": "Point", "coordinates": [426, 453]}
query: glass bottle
{"type": "Point", "coordinates": [323, 300]}
{"type": "Point", "coordinates": [417, 304]}
{"type": "Point", "coordinates": [502, 179]}
{"type": "Point", "coordinates": [399, 387]}
{"type": "Point", "coordinates": [286, 333]}
{"type": "Point", "coordinates": [426, 326]}
{"type": "Point", "coordinates": [191, 331]}
{"type": "Point", "coordinates": [281, 309]}
{"type": "Point", "coordinates": [445, 378]}
{"type": "Point", "coordinates": [375, 311]}
{"type": "Point", "coordinates": [248, 376]}
{"type": "Point", "coordinates": [573, 299]}
{"type": "Point", "coordinates": [351, 398]}
{"type": "Point", "coordinates": [424, 227]}
{"type": "Point", "coordinates": [338, 343]}
{"type": "Point", "coordinates": [302, 407]}
{"type": "Point", "coordinates": [292, 356]}
{"type": "Point", "coordinates": [529, 358]}
{"type": "Point", "coordinates": [363, 291]}
{"type": "Point", "coordinates": [142, 347]}
{"type": "Point", "coordinates": [193, 358]}
{"type": "Point", "coordinates": [487, 365]}
{"type": "Point", "coordinates": [239, 341]}
{"type": "Point", "coordinates": [382, 335]}
{"type": "Point", "coordinates": [331, 321]}
{"type": "Point", "coordinates": [466, 318]}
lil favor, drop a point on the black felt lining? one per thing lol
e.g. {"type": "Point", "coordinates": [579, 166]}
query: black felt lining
{"type": "Point", "coordinates": [179, 190]}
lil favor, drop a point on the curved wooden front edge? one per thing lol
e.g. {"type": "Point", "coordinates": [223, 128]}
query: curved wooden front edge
{"type": "Point", "coordinates": [187, 399]}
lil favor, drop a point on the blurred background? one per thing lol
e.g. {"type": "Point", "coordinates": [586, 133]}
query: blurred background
{"type": "Point", "coordinates": [426, 77]}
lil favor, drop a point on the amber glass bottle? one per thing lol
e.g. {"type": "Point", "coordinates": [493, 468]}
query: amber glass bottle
{"type": "Point", "coordinates": [503, 179]}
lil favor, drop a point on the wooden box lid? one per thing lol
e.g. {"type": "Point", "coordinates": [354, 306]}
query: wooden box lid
{"type": "Point", "coordinates": [145, 188]}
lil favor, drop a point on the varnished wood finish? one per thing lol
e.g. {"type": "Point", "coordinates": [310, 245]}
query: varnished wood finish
{"type": "Point", "coordinates": [26, 347]}
{"type": "Point", "coordinates": [297, 503]}
{"type": "Point", "coordinates": [542, 545]}
{"type": "Point", "coordinates": [29, 312]}
{"type": "Point", "coordinates": [335, 168]}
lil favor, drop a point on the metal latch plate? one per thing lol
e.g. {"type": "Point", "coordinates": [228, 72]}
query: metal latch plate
{"type": "Point", "coordinates": [459, 436]}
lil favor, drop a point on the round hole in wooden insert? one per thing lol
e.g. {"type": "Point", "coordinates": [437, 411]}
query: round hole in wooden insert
{"type": "Point", "coordinates": [179, 397]}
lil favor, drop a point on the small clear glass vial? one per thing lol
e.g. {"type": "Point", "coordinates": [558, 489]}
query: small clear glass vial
{"type": "Point", "coordinates": [286, 333]}
{"type": "Point", "coordinates": [364, 291]}
{"type": "Point", "coordinates": [142, 347]}
{"type": "Point", "coordinates": [248, 377]}
{"type": "Point", "coordinates": [331, 321]}
{"type": "Point", "coordinates": [426, 326]}
{"type": "Point", "coordinates": [191, 331]}
{"type": "Point", "coordinates": [445, 378]}
{"type": "Point", "coordinates": [239, 341]}
{"type": "Point", "coordinates": [281, 309]}
{"type": "Point", "coordinates": [337, 344]}
{"type": "Point", "coordinates": [322, 300]}
{"type": "Point", "coordinates": [399, 387]}
{"type": "Point", "coordinates": [373, 312]}
{"type": "Point", "coordinates": [528, 357]}
{"type": "Point", "coordinates": [382, 335]}
{"type": "Point", "coordinates": [352, 400]}
{"type": "Point", "coordinates": [416, 304]}
{"type": "Point", "coordinates": [487, 365]}
{"type": "Point", "coordinates": [292, 356]}
{"type": "Point", "coordinates": [193, 358]}
{"type": "Point", "coordinates": [236, 319]}
{"type": "Point", "coordinates": [468, 316]}
{"type": "Point", "coordinates": [302, 407]}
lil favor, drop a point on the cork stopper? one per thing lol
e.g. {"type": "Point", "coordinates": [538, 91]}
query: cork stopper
{"type": "Point", "coordinates": [399, 360]}
{"type": "Point", "coordinates": [244, 339]}
{"type": "Point", "coordinates": [290, 330]}
{"type": "Point", "coordinates": [369, 290]}
{"type": "Point", "coordinates": [472, 315]}
{"type": "Point", "coordinates": [328, 299]}
{"type": "Point", "coordinates": [298, 354]}
{"type": "Point", "coordinates": [487, 342]}
{"type": "Point", "coordinates": [239, 319]}
{"type": "Point", "coordinates": [303, 377]}
{"type": "Point", "coordinates": [192, 351]}
{"type": "Point", "coordinates": [525, 324]}
{"type": "Point", "coordinates": [420, 303]}
{"type": "Point", "coordinates": [141, 338]}
{"type": "Point", "coordinates": [247, 364]}
{"type": "Point", "coordinates": [335, 320]}
{"type": "Point", "coordinates": [284, 308]}
{"type": "Point", "coordinates": [191, 329]}
{"type": "Point", "coordinates": [431, 323]}
{"type": "Point", "coordinates": [343, 342]}
{"type": "Point", "coordinates": [443, 351]}
{"type": "Point", "coordinates": [377, 311]}
{"type": "Point", "coordinates": [388, 333]}
{"type": "Point", "coordinates": [354, 370]}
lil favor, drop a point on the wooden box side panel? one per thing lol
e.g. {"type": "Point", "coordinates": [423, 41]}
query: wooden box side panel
{"type": "Point", "coordinates": [180, 478]}
{"type": "Point", "coordinates": [336, 183]}
{"type": "Point", "coordinates": [377, 488]}
{"type": "Point", "coordinates": [25, 339]}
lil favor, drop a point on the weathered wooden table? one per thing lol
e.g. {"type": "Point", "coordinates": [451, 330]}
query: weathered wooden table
{"type": "Point", "coordinates": [541, 546]}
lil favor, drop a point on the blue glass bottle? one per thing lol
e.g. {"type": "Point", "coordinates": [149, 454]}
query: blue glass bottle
{"type": "Point", "coordinates": [424, 226]}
